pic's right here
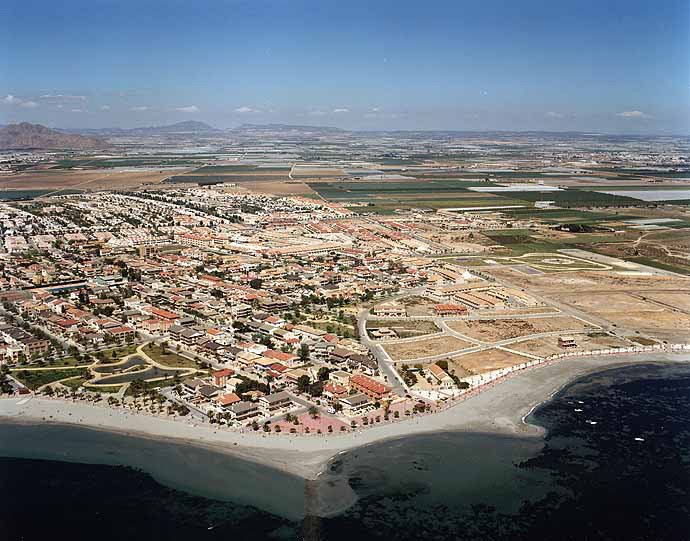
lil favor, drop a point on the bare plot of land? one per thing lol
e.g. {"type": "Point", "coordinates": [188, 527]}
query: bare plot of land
{"type": "Point", "coordinates": [591, 281]}
{"type": "Point", "coordinates": [425, 347]}
{"type": "Point", "coordinates": [520, 311]}
{"type": "Point", "coordinates": [678, 299]}
{"type": "Point", "coordinates": [495, 330]}
{"type": "Point", "coordinates": [543, 347]}
{"type": "Point", "coordinates": [418, 306]}
{"type": "Point", "coordinates": [405, 327]}
{"type": "Point", "coordinates": [485, 361]}
{"type": "Point", "coordinates": [630, 312]}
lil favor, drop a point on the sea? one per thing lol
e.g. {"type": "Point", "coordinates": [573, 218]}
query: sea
{"type": "Point", "coordinates": [614, 464]}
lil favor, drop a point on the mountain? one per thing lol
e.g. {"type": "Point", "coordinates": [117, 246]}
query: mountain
{"type": "Point", "coordinates": [26, 136]}
{"type": "Point", "coordinates": [288, 129]}
{"type": "Point", "coordinates": [188, 126]}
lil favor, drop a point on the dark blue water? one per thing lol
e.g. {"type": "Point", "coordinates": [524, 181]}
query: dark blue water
{"type": "Point", "coordinates": [617, 469]}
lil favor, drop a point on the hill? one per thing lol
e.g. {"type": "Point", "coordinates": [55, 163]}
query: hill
{"type": "Point", "coordinates": [188, 126]}
{"type": "Point", "coordinates": [25, 136]}
{"type": "Point", "coordinates": [288, 129]}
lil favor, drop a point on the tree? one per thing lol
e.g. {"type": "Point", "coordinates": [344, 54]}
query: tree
{"type": "Point", "coordinates": [323, 373]}
{"type": "Point", "coordinates": [303, 383]}
{"type": "Point", "coordinates": [255, 283]}
{"type": "Point", "coordinates": [304, 352]}
{"type": "Point", "coordinates": [313, 412]}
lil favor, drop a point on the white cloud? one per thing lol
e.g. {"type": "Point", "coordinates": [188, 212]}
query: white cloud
{"type": "Point", "coordinates": [61, 97]}
{"type": "Point", "coordinates": [140, 108]}
{"type": "Point", "coordinates": [341, 110]}
{"type": "Point", "coordinates": [105, 107]}
{"type": "Point", "coordinates": [76, 110]}
{"type": "Point", "coordinates": [29, 104]}
{"type": "Point", "coordinates": [188, 109]}
{"type": "Point", "coordinates": [633, 114]}
{"type": "Point", "coordinates": [316, 113]}
{"type": "Point", "coordinates": [11, 100]}
{"type": "Point", "coordinates": [375, 109]}
{"type": "Point", "coordinates": [553, 114]}
{"type": "Point", "coordinates": [246, 109]}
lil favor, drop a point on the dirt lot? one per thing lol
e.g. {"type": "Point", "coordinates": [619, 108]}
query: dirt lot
{"type": "Point", "coordinates": [405, 328]}
{"type": "Point", "coordinates": [404, 351]}
{"type": "Point", "coordinates": [631, 313]}
{"type": "Point", "coordinates": [485, 361]}
{"type": "Point", "coordinates": [418, 306]}
{"type": "Point", "coordinates": [586, 281]}
{"type": "Point", "coordinates": [678, 299]}
{"type": "Point", "coordinates": [521, 311]}
{"type": "Point", "coordinates": [494, 330]}
{"type": "Point", "coordinates": [543, 347]}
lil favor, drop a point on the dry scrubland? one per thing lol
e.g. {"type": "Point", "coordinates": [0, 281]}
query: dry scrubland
{"type": "Point", "coordinates": [485, 361]}
{"type": "Point", "coordinates": [404, 351]}
{"type": "Point", "coordinates": [495, 330]}
{"type": "Point", "coordinates": [543, 347]}
{"type": "Point", "coordinates": [631, 312]}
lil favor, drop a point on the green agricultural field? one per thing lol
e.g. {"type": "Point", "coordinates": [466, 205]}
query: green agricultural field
{"type": "Point", "coordinates": [577, 198]}
{"type": "Point", "coordinates": [364, 190]}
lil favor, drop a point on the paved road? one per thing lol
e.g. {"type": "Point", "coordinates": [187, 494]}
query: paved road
{"type": "Point", "coordinates": [384, 361]}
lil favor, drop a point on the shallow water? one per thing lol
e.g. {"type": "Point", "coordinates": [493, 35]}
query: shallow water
{"type": "Point", "coordinates": [617, 469]}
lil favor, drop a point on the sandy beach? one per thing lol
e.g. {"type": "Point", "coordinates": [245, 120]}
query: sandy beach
{"type": "Point", "coordinates": [500, 410]}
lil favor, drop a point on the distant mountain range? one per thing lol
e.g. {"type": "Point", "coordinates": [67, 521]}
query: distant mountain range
{"type": "Point", "coordinates": [287, 128]}
{"type": "Point", "coordinates": [25, 136]}
{"type": "Point", "coordinates": [189, 126]}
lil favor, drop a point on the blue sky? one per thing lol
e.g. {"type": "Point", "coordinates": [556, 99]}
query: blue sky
{"type": "Point", "coordinates": [614, 66]}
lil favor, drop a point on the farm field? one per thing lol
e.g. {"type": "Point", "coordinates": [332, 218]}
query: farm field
{"type": "Point", "coordinates": [87, 180]}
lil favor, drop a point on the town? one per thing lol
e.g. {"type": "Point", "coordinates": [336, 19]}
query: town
{"type": "Point", "coordinates": [216, 302]}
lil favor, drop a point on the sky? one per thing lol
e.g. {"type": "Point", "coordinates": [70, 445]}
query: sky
{"type": "Point", "coordinates": [607, 65]}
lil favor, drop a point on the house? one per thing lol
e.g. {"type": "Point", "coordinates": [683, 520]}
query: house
{"type": "Point", "coordinates": [441, 377]}
{"type": "Point", "coordinates": [207, 391]}
{"type": "Point", "coordinates": [340, 355]}
{"type": "Point", "coordinates": [450, 309]}
{"type": "Point", "coordinates": [389, 309]}
{"type": "Point", "coordinates": [122, 332]}
{"type": "Point", "coordinates": [567, 341]}
{"type": "Point", "coordinates": [220, 377]}
{"type": "Point", "coordinates": [340, 376]}
{"type": "Point", "coordinates": [227, 400]}
{"type": "Point", "coordinates": [354, 403]}
{"type": "Point", "coordinates": [275, 401]}
{"type": "Point", "coordinates": [369, 386]}
{"type": "Point", "coordinates": [189, 337]}
{"type": "Point", "coordinates": [240, 411]}
{"type": "Point", "coordinates": [334, 390]}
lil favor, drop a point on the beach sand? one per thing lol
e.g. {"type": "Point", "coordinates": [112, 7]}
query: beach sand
{"type": "Point", "coordinates": [500, 410]}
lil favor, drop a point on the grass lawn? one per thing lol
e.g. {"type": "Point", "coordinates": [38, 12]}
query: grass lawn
{"type": "Point", "coordinates": [340, 329]}
{"type": "Point", "coordinates": [75, 383]}
{"type": "Point", "coordinates": [103, 388]}
{"type": "Point", "coordinates": [169, 358]}
{"type": "Point", "coordinates": [36, 378]}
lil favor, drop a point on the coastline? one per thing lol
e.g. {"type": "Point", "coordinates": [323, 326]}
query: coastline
{"type": "Point", "coordinates": [501, 409]}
